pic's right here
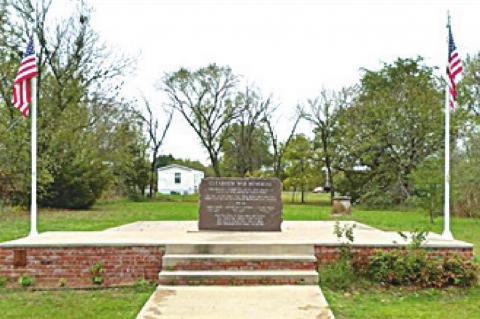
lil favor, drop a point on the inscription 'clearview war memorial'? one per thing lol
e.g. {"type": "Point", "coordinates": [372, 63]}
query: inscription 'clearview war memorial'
{"type": "Point", "coordinates": [240, 204]}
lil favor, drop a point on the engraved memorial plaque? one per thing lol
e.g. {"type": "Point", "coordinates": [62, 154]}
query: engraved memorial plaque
{"type": "Point", "coordinates": [240, 204]}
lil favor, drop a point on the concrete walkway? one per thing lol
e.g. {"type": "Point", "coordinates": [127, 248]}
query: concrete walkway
{"type": "Point", "coordinates": [247, 302]}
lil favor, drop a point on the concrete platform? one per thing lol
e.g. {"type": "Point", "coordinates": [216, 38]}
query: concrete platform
{"type": "Point", "coordinates": [214, 302]}
{"type": "Point", "coordinates": [186, 232]}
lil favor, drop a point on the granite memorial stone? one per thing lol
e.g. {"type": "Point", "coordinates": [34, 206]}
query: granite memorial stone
{"type": "Point", "coordinates": [240, 204]}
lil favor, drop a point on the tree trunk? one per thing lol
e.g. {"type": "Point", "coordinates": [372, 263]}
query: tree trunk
{"type": "Point", "coordinates": [328, 164]}
{"type": "Point", "coordinates": [215, 164]}
{"type": "Point", "coordinates": [332, 190]}
{"type": "Point", "coordinates": [303, 183]}
{"type": "Point", "coordinates": [152, 174]}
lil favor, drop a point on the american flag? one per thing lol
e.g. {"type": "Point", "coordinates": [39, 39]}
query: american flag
{"type": "Point", "coordinates": [454, 68]}
{"type": "Point", "coordinates": [22, 84]}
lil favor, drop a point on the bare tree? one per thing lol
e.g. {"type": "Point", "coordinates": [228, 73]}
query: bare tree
{"type": "Point", "coordinates": [279, 147]}
{"type": "Point", "coordinates": [247, 146]}
{"type": "Point", "coordinates": [156, 137]}
{"type": "Point", "coordinates": [205, 99]}
{"type": "Point", "coordinates": [323, 112]}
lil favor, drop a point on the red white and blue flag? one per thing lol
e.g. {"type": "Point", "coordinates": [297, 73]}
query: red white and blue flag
{"type": "Point", "coordinates": [22, 85]}
{"type": "Point", "coordinates": [454, 68]}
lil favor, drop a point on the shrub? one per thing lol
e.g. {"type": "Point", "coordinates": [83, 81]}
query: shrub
{"type": "Point", "coordinates": [62, 282]}
{"type": "Point", "coordinates": [416, 267]}
{"type": "Point", "coordinates": [136, 196]}
{"type": "Point", "coordinates": [142, 285]}
{"type": "Point", "coordinates": [97, 270]}
{"type": "Point", "coordinates": [3, 281]}
{"type": "Point", "coordinates": [25, 281]}
{"type": "Point", "coordinates": [77, 184]}
{"type": "Point", "coordinates": [341, 274]}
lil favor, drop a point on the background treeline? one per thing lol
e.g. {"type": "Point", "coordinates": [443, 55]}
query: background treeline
{"type": "Point", "coordinates": [379, 141]}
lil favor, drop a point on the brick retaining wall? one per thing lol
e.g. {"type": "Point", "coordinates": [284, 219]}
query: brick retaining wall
{"type": "Point", "coordinates": [126, 265]}
{"type": "Point", "coordinates": [330, 254]}
{"type": "Point", "coordinates": [47, 265]}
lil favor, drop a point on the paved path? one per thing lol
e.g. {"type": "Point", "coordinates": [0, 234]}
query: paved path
{"type": "Point", "coordinates": [246, 302]}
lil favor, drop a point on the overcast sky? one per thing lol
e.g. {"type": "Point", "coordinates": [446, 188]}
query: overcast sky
{"type": "Point", "coordinates": [290, 49]}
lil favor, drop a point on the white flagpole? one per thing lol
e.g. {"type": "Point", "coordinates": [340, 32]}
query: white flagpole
{"type": "Point", "coordinates": [33, 209]}
{"type": "Point", "coordinates": [447, 234]}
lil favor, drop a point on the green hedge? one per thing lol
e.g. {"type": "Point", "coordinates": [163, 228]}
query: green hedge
{"type": "Point", "coordinates": [416, 267]}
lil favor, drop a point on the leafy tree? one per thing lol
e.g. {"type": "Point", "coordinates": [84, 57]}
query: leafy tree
{"type": "Point", "coordinates": [130, 165]}
{"type": "Point", "coordinates": [465, 173]}
{"type": "Point", "coordinates": [323, 112]}
{"type": "Point", "coordinates": [164, 160]}
{"type": "Point", "coordinates": [465, 130]}
{"type": "Point", "coordinates": [395, 123]}
{"type": "Point", "coordinates": [469, 86]}
{"type": "Point", "coordinates": [205, 98]}
{"type": "Point", "coordinates": [428, 186]}
{"type": "Point", "coordinates": [299, 165]}
{"type": "Point", "coordinates": [246, 148]}
{"type": "Point", "coordinates": [80, 118]}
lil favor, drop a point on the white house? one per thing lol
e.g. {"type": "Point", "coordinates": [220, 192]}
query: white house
{"type": "Point", "coordinates": [178, 179]}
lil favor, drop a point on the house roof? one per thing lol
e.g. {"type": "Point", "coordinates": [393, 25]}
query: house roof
{"type": "Point", "coordinates": [176, 166]}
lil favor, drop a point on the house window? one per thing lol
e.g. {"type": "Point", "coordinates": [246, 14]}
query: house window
{"type": "Point", "coordinates": [178, 178]}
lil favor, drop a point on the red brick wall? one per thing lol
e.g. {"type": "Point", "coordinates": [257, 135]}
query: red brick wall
{"type": "Point", "coordinates": [126, 265]}
{"type": "Point", "coordinates": [46, 265]}
{"type": "Point", "coordinates": [330, 254]}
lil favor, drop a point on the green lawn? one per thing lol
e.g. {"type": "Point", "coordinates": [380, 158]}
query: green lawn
{"type": "Point", "coordinates": [72, 304]}
{"type": "Point", "coordinates": [399, 303]}
{"type": "Point", "coordinates": [110, 214]}
{"type": "Point", "coordinates": [124, 303]}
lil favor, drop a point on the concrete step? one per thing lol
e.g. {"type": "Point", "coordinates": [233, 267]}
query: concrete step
{"type": "Point", "coordinates": [239, 248]}
{"type": "Point", "coordinates": [255, 277]}
{"type": "Point", "coordinates": [238, 262]}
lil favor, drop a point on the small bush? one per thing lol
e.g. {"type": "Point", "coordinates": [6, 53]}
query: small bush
{"type": "Point", "coordinates": [339, 275]}
{"type": "Point", "coordinates": [3, 281]}
{"type": "Point", "coordinates": [97, 270]}
{"type": "Point", "coordinates": [142, 285]}
{"type": "Point", "coordinates": [62, 282]}
{"type": "Point", "coordinates": [25, 281]}
{"type": "Point", "coordinates": [416, 267]}
{"type": "Point", "coordinates": [136, 196]}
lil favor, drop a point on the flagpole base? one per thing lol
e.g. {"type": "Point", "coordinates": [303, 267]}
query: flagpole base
{"type": "Point", "coordinates": [447, 235]}
{"type": "Point", "coordinates": [33, 233]}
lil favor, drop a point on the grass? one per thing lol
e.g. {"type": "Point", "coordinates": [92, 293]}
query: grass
{"type": "Point", "coordinates": [382, 303]}
{"type": "Point", "coordinates": [73, 304]}
{"type": "Point", "coordinates": [185, 207]}
{"type": "Point", "coordinates": [373, 302]}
